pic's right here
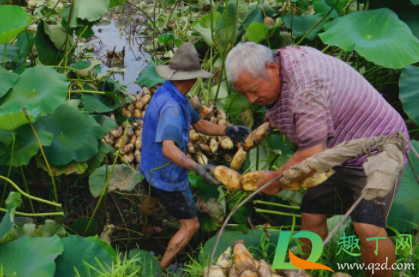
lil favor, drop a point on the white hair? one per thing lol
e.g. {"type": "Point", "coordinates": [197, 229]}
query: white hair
{"type": "Point", "coordinates": [250, 57]}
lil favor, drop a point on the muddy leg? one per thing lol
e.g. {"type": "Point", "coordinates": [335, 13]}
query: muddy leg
{"type": "Point", "coordinates": [188, 227]}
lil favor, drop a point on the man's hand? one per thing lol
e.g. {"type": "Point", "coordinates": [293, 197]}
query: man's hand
{"type": "Point", "coordinates": [204, 171]}
{"type": "Point", "coordinates": [273, 188]}
{"type": "Point", "coordinates": [237, 133]}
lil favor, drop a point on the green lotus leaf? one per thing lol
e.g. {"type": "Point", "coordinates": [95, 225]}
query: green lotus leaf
{"type": "Point", "coordinates": [97, 159]}
{"type": "Point", "coordinates": [415, 2]}
{"type": "Point", "coordinates": [33, 257]}
{"type": "Point", "coordinates": [324, 6]}
{"type": "Point", "coordinates": [100, 103]}
{"type": "Point", "coordinates": [13, 20]}
{"type": "Point", "coordinates": [377, 35]}
{"type": "Point", "coordinates": [410, 17]}
{"type": "Point", "coordinates": [7, 80]}
{"type": "Point", "coordinates": [5, 137]}
{"type": "Point", "coordinates": [13, 201]}
{"type": "Point", "coordinates": [48, 53]}
{"type": "Point", "coordinates": [301, 24]}
{"type": "Point", "coordinates": [75, 135]}
{"type": "Point", "coordinates": [149, 77]}
{"type": "Point", "coordinates": [26, 146]}
{"type": "Point", "coordinates": [88, 10]}
{"type": "Point", "coordinates": [11, 121]}
{"type": "Point", "coordinates": [203, 26]}
{"type": "Point", "coordinates": [257, 32]}
{"type": "Point", "coordinates": [403, 214]}
{"type": "Point", "coordinates": [123, 178]}
{"type": "Point", "coordinates": [225, 30]}
{"type": "Point", "coordinates": [115, 3]}
{"type": "Point", "coordinates": [106, 122]}
{"type": "Point", "coordinates": [39, 89]}
{"type": "Point", "coordinates": [79, 251]}
{"type": "Point", "coordinates": [148, 264]}
{"type": "Point", "coordinates": [49, 229]}
{"type": "Point", "coordinates": [58, 35]}
{"type": "Point", "coordinates": [409, 92]}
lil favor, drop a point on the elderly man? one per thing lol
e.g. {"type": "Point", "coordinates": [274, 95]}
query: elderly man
{"type": "Point", "coordinates": [165, 138]}
{"type": "Point", "coordinates": [319, 101]}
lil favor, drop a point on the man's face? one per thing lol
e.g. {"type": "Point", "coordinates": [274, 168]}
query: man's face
{"type": "Point", "coordinates": [263, 90]}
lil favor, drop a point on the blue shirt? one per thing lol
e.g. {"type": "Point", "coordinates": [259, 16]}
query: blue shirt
{"type": "Point", "coordinates": [169, 117]}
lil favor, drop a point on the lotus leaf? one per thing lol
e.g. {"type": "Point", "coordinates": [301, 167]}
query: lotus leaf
{"type": "Point", "coordinates": [115, 3]}
{"type": "Point", "coordinates": [100, 103]}
{"type": "Point", "coordinates": [410, 17]}
{"type": "Point", "coordinates": [48, 53]}
{"type": "Point", "coordinates": [11, 121]}
{"type": "Point", "coordinates": [148, 264]}
{"type": "Point", "coordinates": [12, 53]}
{"type": "Point", "coordinates": [409, 92]}
{"type": "Point", "coordinates": [13, 201]}
{"type": "Point", "coordinates": [169, 38]}
{"type": "Point", "coordinates": [404, 210]}
{"type": "Point", "coordinates": [377, 35]}
{"type": "Point", "coordinates": [301, 24]}
{"type": "Point", "coordinates": [123, 178]}
{"type": "Point", "coordinates": [58, 36]}
{"type": "Point", "coordinates": [13, 20]}
{"type": "Point", "coordinates": [257, 32]}
{"type": "Point", "coordinates": [415, 2]}
{"type": "Point", "coordinates": [79, 225]}
{"type": "Point", "coordinates": [26, 146]}
{"type": "Point", "coordinates": [33, 257]}
{"type": "Point", "coordinates": [149, 77]}
{"type": "Point", "coordinates": [49, 229]}
{"type": "Point", "coordinates": [203, 26]}
{"type": "Point", "coordinates": [73, 167]}
{"type": "Point", "coordinates": [88, 10]}
{"type": "Point", "coordinates": [79, 251]}
{"type": "Point", "coordinates": [5, 137]}
{"type": "Point", "coordinates": [74, 139]}
{"type": "Point", "coordinates": [225, 30]}
{"type": "Point", "coordinates": [39, 89]}
{"type": "Point", "coordinates": [95, 162]}
{"type": "Point", "coordinates": [7, 80]}
{"type": "Point", "coordinates": [324, 6]}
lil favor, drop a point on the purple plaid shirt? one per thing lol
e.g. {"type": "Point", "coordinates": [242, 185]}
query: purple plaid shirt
{"type": "Point", "coordinates": [323, 99]}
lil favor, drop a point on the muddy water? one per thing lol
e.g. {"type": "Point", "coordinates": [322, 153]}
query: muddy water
{"type": "Point", "coordinates": [120, 31]}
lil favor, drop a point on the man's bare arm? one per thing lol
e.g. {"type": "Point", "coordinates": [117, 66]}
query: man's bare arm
{"type": "Point", "coordinates": [173, 153]}
{"type": "Point", "coordinates": [208, 128]}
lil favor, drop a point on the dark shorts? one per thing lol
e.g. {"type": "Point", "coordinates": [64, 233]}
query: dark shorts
{"type": "Point", "coordinates": [180, 204]}
{"type": "Point", "coordinates": [337, 194]}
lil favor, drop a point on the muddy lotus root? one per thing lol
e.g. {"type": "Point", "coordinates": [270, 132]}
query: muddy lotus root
{"type": "Point", "coordinates": [228, 177]}
{"type": "Point", "coordinates": [312, 181]}
{"type": "Point", "coordinates": [257, 136]}
{"type": "Point", "coordinates": [251, 179]}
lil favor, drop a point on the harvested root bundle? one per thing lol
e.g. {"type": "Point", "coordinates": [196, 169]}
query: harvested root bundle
{"type": "Point", "coordinates": [239, 158]}
{"type": "Point", "coordinates": [264, 269]}
{"type": "Point", "coordinates": [216, 271]}
{"type": "Point", "coordinates": [257, 136]}
{"type": "Point", "coordinates": [312, 181]}
{"type": "Point", "coordinates": [201, 158]}
{"type": "Point", "coordinates": [248, 273]}
{"type": "Point", "coordinates": [251, 179]}
{"type": "Point", "coordinates": [227, 143]}
{"type": "Point", "coordinates": [225, 260]}
{"type": "Point", "coordinates": [228, 177]}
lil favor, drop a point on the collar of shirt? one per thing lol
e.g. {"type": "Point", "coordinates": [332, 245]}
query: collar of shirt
{"type": "Point", "coordinates": [179, 96]}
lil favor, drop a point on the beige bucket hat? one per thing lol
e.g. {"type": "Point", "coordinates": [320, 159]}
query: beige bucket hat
{"type": "Point", "coordinates": [184, 65]}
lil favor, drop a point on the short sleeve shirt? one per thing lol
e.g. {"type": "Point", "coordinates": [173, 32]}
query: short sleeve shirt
{"type": "Point", "coordinates": [168, 117]}
{"type": "Point", "coordinates": [323, 99]}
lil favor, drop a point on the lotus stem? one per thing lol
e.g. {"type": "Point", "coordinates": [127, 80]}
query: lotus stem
{"type": "Point", "coordinates": [108, 177]}
{"type": "Point", "coordinates": [277, 213]}
{"type": "Point", "coordinates": [275, 204]}
{"type": "Point", "coordinates": [28, 195]}
{"type": "Point", "coordinates": [43, 155]}
{"type": "Point", "coordinates": [35, 214]}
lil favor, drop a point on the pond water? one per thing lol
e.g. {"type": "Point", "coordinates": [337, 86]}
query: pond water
{"type": "Point", "coordinates": [119, 33]}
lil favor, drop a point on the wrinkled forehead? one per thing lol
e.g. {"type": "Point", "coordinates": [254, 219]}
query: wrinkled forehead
{"type": "Point", "coordinates": [245, 81]}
